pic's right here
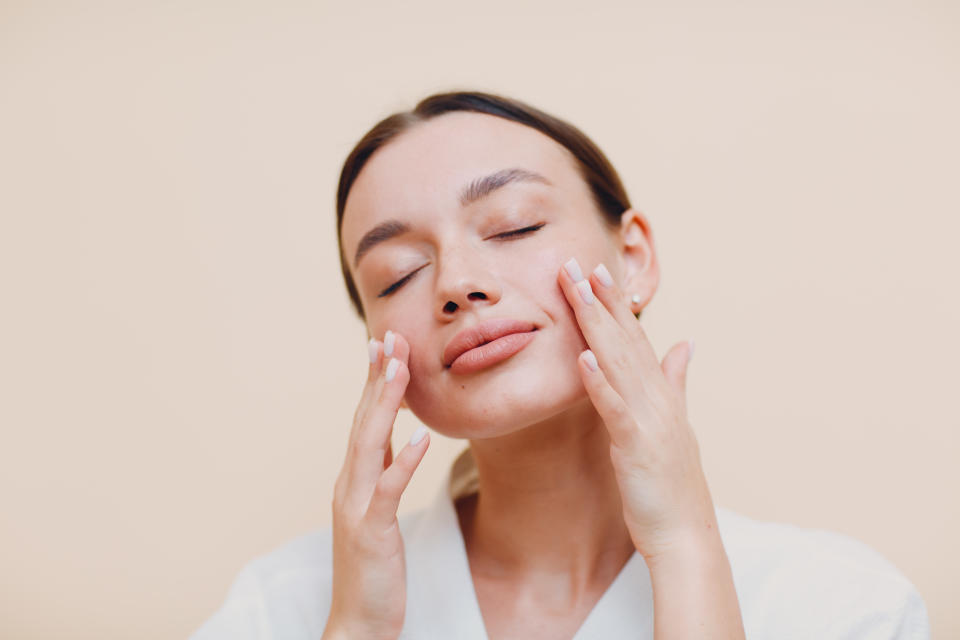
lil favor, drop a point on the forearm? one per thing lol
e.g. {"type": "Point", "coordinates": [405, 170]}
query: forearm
{"type": "Point", "coordinates": [693, 593]}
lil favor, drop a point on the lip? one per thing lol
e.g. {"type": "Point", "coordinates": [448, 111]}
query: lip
{"type": "Point", "coordinates": [486, 344]}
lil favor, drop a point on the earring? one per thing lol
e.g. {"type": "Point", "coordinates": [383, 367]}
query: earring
{"type": "Point", "coordinates": [635, 299]}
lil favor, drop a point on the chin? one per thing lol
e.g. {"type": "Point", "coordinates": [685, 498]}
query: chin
{"type": "Point", "coordinates": [492, 403]}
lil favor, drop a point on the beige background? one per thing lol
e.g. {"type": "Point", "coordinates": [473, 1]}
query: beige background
{"type": "Point", "coordinates": [179, 361]}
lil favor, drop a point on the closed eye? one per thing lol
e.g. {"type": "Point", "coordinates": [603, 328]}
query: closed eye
{"type": "Point", "coordinates": [507, 235]}
{"type": "Point", "coordinates": [396, 285]}
{"type": "Point", "coordinates": [520, 232]}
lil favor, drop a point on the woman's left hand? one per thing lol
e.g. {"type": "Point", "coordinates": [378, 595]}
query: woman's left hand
{"type": "Point", "coordinates": [666, 503]}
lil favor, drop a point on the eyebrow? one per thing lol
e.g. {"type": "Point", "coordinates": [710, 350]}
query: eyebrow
{"type": "Point", "coordinates": [476, 190]}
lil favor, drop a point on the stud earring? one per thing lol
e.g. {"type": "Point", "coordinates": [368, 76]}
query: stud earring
{"type": "Point", "coordinates": [635, 299]}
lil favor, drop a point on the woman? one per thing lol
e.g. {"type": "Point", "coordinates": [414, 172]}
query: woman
{"type": "Point", "coordinates": [501, 272]}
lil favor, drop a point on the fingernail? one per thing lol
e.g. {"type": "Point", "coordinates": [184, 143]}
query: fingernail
{"type": "Point", "coordinates": [388, 341]}
{"type": "Point", "coordinates": [585, 291]}
{"type": "Point", "coordinates": [573, 268]}
{"type": "Point", "coordinates": [392, 368]}
{"type": "Point", "coordinates": [418, 435]}
{"type": "Point", "coordinates": [591, 360]}
{"type": "Point", "coordinates": [603, 275]}
{"type": "Point", "coordinates": [373, 350]}
{"type": "Point", "coordinates": [692, 345]}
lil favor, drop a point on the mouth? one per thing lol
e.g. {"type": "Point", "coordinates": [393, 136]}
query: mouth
{"type": "Point", "coordinates": [491, 352]}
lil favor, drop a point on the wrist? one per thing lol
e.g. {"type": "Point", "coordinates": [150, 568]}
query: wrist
{"type": "Point", "coordinates": [694, 590]}
{"type": "Point", "coordinates": [689, 551]}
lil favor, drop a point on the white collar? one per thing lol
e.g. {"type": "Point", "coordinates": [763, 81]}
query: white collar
{"type": "Point", "coordinates": [442, 602]}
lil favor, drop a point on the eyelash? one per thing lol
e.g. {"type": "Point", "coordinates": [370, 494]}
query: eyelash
{"type": "Point", "coordinates": [507, 235]}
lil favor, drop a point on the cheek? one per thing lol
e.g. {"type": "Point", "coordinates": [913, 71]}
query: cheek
{"type": "Point", "coordinates": [422, 367]}
{"type": "Point", "coordinates": [541, 282]}
{"type": "Point", "coordinates": [394, 317]}
{"type": "Point", "coordinates": [537, 275]}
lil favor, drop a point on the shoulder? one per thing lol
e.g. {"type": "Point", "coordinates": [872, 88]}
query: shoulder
{"type": "Point", "coordinates": [805, 582]}
{"type": "Point", "coordinates": [283, 593]}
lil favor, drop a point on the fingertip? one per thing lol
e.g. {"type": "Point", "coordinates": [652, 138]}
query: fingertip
{"type": "Point", "coordinates": [590, 359]}
{"type": "Point", "coordinates": [392, 367]}
{"type": "Point", "coordinates": [402, 348]}
{"type": "Point", "coordinates": [419, 436]}
{"type": "Point", "coordinates": [603, 275]}
{"type": "Point", "coordinates": [586, 291]}
{"type": "Point", "coordinates": [389, 340]}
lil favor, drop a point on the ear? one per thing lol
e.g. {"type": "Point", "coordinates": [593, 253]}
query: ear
{"type": "Point", "coordinates": [641, 271]}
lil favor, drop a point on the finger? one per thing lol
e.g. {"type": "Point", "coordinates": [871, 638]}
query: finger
{"type": "Point", "coordinates": [611, 295]}
{"type": "Point", "coordinates": [375, 356]}
{"type": "Point", "coordinates": [616, 415]}
{"type": "Point", "coordinates": [373, 435]}
{"type": "Point", "coordinates": [392, 482]}
{"type": "Point", "coordinates": [615, 300]}
{"type": "Point", "coordinates": [610, 343]}
{"type": "Point", "coordinates": [367, 448]}
{"type": "Point", "coordinates": [399, 350]}
{"type": "Point", "coordinates": [380, 352]}
{"type": "Point", "coordinates": [596, 323]}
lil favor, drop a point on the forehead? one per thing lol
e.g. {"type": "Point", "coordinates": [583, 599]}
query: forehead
{"type": "Point", "coordinates": [422, 171]}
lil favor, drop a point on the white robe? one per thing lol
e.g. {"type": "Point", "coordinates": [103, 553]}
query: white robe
{"type": "Point", "coordinates": [791, 583]}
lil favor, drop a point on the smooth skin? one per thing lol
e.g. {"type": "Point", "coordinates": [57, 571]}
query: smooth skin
{"type": "Point", "coordinates": [550, 436]}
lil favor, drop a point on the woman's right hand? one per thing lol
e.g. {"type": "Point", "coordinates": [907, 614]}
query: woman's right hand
{"type": "Point", "coordinates": [369, 570]}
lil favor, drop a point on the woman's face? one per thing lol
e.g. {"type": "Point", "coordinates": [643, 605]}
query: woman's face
{"type": "Point", "coordinates": [459, 269]}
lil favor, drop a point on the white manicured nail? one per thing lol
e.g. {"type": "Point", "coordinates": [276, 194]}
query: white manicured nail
{"type": "Point", "coordinates": [573, 268]}
{"type": "Point", "coordinates": [388, 341]}
{"type": "Point", "coordinates": [585, 291]}
{"type": "Point", "coordinates": [591, 360]}
{"type": "Point", "coordinates": [603, 275]}
{"type": "Point", "coordinates": [392, 368]}
{"type": "Point", "coordinates": [373, 350]}
{"type": "Point", "coordinates": [418, 435]}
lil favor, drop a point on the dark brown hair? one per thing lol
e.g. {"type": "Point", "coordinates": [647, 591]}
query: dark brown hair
{"type": "Point", "coordinates": [608, 193]}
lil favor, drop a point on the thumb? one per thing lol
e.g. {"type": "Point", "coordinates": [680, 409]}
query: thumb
{"type": "Point", "coordinates": [675, 365]}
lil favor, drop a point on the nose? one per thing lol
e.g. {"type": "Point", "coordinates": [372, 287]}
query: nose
{"type": "Point", "coordinates": [464, 282]}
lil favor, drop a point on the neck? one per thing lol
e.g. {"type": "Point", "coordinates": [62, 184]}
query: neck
{"type": "Point", "coordinates": [548, 501]}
